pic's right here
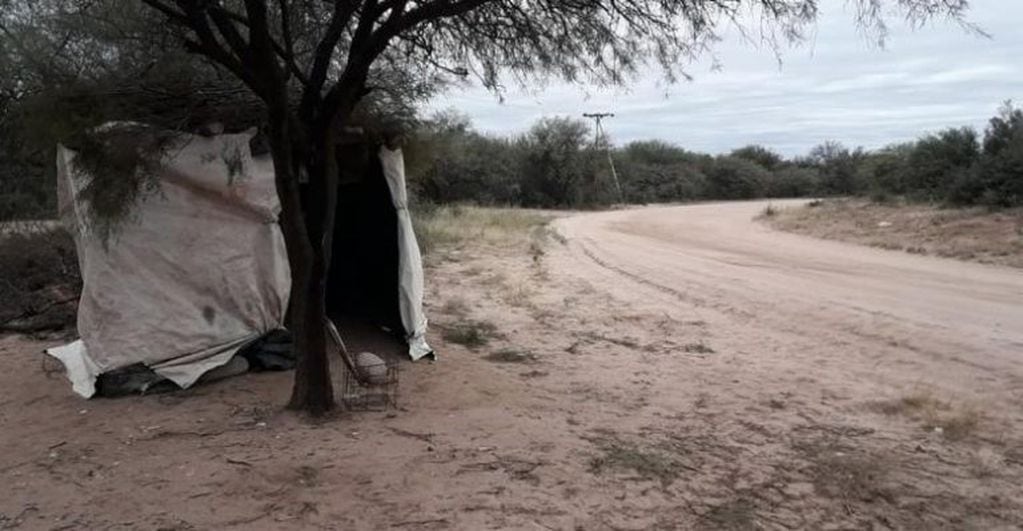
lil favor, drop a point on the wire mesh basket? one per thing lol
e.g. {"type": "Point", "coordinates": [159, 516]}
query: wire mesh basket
{"type": "Point", "coordinates": [364, 382]}
{"type": "Point", "coordinates": [375, 389]}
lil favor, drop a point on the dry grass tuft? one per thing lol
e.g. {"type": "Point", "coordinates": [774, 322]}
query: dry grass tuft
{"type": "Point", "coordinates": [647, 463]}
{"type": "Point", "coordinates": [519, 296]}
{"type": "Point", "coordinates": [851, 477]}
{"type": "Point", "coordinates": [987, 462]}
{"type": "Point", "coordinates": [511, 355]}
{"type": "Point", "coordinates": [470, 333]}
{"type": "Point", "coordinates": [840, 467]}
{"type": "Point", "coordinates": [735, 514]}
{"type": "Point", "coordinates": [954, 423]}
{"type": "Point", "coordinates": [698, 348]}
{"type": "Point", "coordinates": [456, 306]}
{"type": "Point", "coordinates": [910, 405]}
{"type": "Point", "coordinates": [958, 425]}
{"type": "Point", "coordinates": [447, 226]}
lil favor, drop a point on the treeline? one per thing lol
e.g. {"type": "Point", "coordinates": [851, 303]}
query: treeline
{"type": "Point", "coordinates": [555, 164]}
{"type": "Point", "coordinates": [28, 185]}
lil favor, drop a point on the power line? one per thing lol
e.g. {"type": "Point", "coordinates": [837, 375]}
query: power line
{"type": "Point", "coordinates": [598, 136]}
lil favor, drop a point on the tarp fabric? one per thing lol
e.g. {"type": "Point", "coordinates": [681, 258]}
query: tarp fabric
{"type": "Point", "coordinates": [410, 263]}
{"type": "Point", "coordinates": [200, 269]}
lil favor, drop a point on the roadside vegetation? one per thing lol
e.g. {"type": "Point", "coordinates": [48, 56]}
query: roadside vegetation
{"type": "Point", "coordinates": [39, 279]}
{"type": "Point", "coordinates": [954, 422]}
{"type": "Point", "coordinates": [448, 226]}
{"type": "Point", "coordinates": [555, 165]}
{"type": "Point", "coordinates": [978, 234]}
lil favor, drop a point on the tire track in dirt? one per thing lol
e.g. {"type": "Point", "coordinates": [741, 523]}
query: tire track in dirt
{"type": "Point", "coordinates": [935, 311]}
{"type": "Point", "coordinates": [807, 340]}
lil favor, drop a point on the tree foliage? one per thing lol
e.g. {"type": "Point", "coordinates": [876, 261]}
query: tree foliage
{"type": "Point", "coordinates": [656, 171]}
{"type": "Point", "coordinates": [938, 161]}
{"type": "Point", "coordinates": [1000, 171]}
{"type": "Point", "coordinates": [555, 162]}
{"type": "Point", "coordinates": [449, 162]}
{"type": "Point", "coordinates": [759, 154]}
{"type": "Point", "coordinates": [949, 166]}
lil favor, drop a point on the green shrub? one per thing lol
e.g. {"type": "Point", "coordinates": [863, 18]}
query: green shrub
{"type": "Point", "coordinates": [735, 178]}
{"type": "Point", "coordinates": [555, 163]}
{"type": "Point", "coordinates": [938, 162]}
{"type": "Point", "coordinates": [761, 155]}
{"type": "Point", "coordinates": [793, 181]}
{"type": "Point", "coordinates": [838, 167]}
{"type": "Point", "coordinates": [39, 279]}
{"type": "Point", "coordinates": [1001, 168]}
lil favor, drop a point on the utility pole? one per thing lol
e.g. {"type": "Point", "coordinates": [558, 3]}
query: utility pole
{"type": "Point", "coordinates": [598, 136]}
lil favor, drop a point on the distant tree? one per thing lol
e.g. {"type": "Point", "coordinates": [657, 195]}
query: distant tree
{"type": "Point", "coordinates": [938, 161]}
{"type": "Point", "coordinates": [24, 192]}
{"type": "Point", "coordinates": [46, 47]}
{"type": "Point", "coordinates": [448, 161]}
{"type": "Point", "coordinates": [883, 173]}
{"type": "Point", "coordinates": [1000, 172]}
{"type": "Point", "coordinates": [555, 162]}
{"type": "Point", "coordinates": [1003, 130]}
{"type": "Point", "coordinates": [657, 152]}
{"type": "Point", "coordinates": [789, 180]}
{"type": "Point", "coordinates": [736, 178]}
{"type": "Point", "coordinates": [839, 168]}
{"type": "Point", "coordinates": [656, 171]}
{"type": "Point", "coordinates": [759, 154]}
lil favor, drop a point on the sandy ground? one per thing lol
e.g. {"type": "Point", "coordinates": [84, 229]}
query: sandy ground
{"type": "Point", "coordinates": [671, 368]}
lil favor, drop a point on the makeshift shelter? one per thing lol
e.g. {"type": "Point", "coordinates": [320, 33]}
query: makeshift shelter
{"type": "Point", "coordinates": [201, 270]}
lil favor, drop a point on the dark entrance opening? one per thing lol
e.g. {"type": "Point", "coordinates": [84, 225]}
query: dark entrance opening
{"type": "Point", "coordinates": [362, 285]}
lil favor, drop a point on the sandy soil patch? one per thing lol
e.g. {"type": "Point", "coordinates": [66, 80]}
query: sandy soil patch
{"type": "Point", "coordinates": [973, 234]}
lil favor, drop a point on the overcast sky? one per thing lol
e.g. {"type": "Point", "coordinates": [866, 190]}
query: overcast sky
{"type": "Point", "coordinates": [837, 86]}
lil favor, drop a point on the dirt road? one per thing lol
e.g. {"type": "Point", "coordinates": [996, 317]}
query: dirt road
{"type": "Point", "coordinates": [956, 323]}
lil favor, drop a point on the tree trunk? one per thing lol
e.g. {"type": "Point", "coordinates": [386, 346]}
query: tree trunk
{"type": "Point", "coordinates": [313, 391]}
{"type": "Point", "coordinates": [308, 227]}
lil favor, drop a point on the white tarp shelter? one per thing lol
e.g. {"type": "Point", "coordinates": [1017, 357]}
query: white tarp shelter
{"type": "Point", "coordinates": [201, 268]}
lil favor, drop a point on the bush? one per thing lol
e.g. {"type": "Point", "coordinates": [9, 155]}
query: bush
{"type": "Point", "coordinates": [953, 166]}
{"type": "Point", "coordinates": [27, 182]}
{"type": "Point", "coordinates": [556, 164]}
{"type": "Point", "coordinates": [650, 183]}
{"type": "Point", "coordinates": [654, 171]}
{"type": "Point", "coordinates": [883, 174]}
{"type": "Point", "coordinates": [759, 154]}
{"type": "Point", "coordinates": [448, 162]}
{"type": "Point", "coordinates": [1000, 172]}
{"type": "Point", "coordinates": [39, 279]}
{"type": "Point", "coordinates": [793, 181]}
{"type": "Point", "coordinates": [838, 168]}
{"type": "Point", "coordinates": [735, 178]}
{"type": "Point", "coordinates": [938, 162]}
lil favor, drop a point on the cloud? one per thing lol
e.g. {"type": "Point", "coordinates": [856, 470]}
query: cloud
{"type": "Point", "coordinates": [837, 86]}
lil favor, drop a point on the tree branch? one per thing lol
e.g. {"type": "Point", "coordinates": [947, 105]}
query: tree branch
{"type": "Point", "coordinates": [289, 43]}
{"type": "Point", "coordinates": [168, 11]}
{"type": "Point", "coordinates": [339, 20]}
